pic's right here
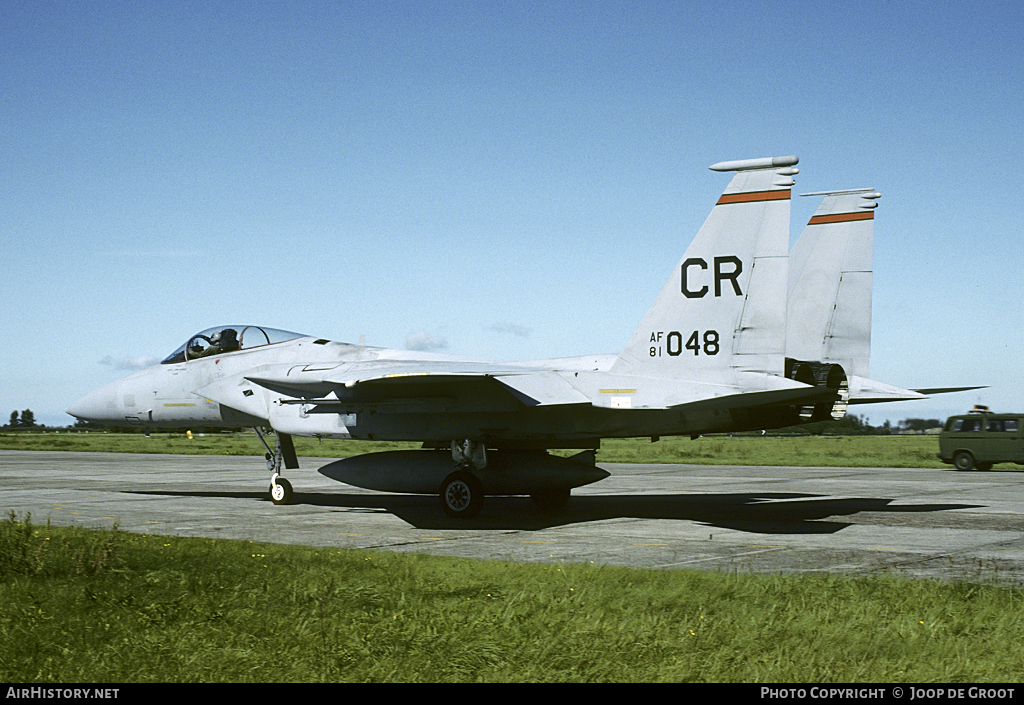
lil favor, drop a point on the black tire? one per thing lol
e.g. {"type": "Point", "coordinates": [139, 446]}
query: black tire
{"type": "Point", "coordinates": [551, 500]}
{"type": "Point", "coordinates": [462, 495]}
{"type": "Point", "coordinates": [963, 461]}
{"type": "Point", "coordinates": [281, 491]}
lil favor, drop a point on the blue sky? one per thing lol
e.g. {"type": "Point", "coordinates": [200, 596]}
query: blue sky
{"type": "Point", "coordinates": [498, 179]}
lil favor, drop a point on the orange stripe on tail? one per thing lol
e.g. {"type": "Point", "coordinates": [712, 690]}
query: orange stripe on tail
{"type": "Point", "coordinates": [753, 197]}
{"type": "Point", "coordinates": [841, 218]}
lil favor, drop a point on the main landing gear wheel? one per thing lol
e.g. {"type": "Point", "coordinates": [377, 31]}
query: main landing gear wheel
{"type": "Point", "coordinates": [462, 495]}
{"type": "Point", "coordinates": [280, 491]}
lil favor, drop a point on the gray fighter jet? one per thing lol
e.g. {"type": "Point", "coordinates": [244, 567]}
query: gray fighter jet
{"type": "Point", "coordinates": [710, 355]}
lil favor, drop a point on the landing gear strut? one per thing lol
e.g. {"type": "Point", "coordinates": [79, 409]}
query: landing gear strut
{"type": "Point", "coordinates": [282, 455]}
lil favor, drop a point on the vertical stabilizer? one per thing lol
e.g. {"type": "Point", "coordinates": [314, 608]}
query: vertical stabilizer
{"type": "Point", "coordinates": [724, 307]}
{"type": "Point", "coordinates": [830, 280]}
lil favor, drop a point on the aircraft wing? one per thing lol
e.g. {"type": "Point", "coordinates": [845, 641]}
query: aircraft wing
{"type": "Point", "coordinates": [386, 379]}
{"type": "Point", "coordinates": [531, 387]}
{"type": "Point", "coordinates": [542, 389]}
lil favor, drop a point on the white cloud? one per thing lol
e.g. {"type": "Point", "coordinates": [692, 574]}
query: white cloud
{"type": "Point", "coordinates": [520, 331]}
{"type": "Point", "coordinates": [129, 363]}
{"type": "Point", "coordinates": [423, 341]}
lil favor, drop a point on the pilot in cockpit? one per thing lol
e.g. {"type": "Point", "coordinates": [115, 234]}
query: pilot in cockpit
{"type": "Point", "coordinates": [221, 341]}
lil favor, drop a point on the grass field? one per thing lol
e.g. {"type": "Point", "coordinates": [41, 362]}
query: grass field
{"type": "Point", "coordinates": [857, 451]}
{"type": "Point", "coordinates": [108, 606]}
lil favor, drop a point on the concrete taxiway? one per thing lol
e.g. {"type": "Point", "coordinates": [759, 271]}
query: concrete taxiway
{"type": "Point", "coordinates": [916, 522]}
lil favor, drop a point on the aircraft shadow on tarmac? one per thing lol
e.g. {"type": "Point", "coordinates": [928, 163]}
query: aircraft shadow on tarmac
{"type": "Point", "coordinates": [758, 513]}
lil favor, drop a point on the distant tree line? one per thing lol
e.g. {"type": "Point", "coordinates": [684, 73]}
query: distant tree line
{"type": "Point", "coordinates": [849, 425]}
{"type": "Point", "coordinates": [920, 424]}
{"type": "Point", "coordinates": [27, 420]}
{"type": "Point", "coordinates": [853, 425]}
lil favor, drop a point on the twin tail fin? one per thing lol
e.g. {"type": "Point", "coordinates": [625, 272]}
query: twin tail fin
{"type": "Point", "coordinates": [723, 309]}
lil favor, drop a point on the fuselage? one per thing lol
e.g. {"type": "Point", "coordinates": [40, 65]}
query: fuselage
{"type": "Point", "coordinates": [293, 387]}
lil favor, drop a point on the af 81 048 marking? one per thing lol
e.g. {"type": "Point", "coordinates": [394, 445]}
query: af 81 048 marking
{"type": "Point", "coordinates": [674, 343]}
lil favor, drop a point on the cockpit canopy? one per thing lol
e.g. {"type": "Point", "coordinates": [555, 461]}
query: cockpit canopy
{"type": "Point", "coordinates": [225, 339]}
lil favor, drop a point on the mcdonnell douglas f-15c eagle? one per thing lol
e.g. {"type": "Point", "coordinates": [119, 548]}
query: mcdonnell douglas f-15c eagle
{"type": "Point", "coordinates": [717, 351]}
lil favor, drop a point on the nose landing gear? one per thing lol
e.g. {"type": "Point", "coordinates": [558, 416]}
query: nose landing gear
{"type": "Point", "coordinates": [282, 455]}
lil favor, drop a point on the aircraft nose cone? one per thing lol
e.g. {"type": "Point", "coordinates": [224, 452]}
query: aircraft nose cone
{"type": "Point", "coordinates": [98, 406]}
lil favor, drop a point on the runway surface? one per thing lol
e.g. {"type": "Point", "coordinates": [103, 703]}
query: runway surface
{"type": "Point", "coordinates": [916, 522]}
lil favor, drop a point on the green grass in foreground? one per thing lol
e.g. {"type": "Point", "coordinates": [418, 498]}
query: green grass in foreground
{"type": "Point", "coordinates": [108, 606]}
{"type": "Point", "coordinates": [843, 451]}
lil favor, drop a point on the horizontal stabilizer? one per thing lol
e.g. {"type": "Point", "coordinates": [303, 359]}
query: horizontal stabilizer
{"type": "Point", "coordinates": [868, 391]}
{"type": "Point", "coordinates": [948, 390]}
